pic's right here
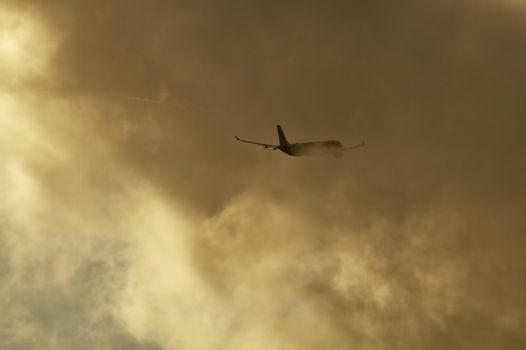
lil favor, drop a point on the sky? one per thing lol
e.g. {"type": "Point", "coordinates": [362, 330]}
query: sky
{"type": "Point", "coordinates": [130, 218]}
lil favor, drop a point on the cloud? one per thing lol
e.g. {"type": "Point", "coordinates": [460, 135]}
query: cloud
{"type": "Point", "coordinates": [63, 247]}
{"type": "Point", "coordinates": [144, 225]}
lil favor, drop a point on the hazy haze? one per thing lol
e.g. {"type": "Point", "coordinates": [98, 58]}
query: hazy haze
{"type": "Point", "coordinates": [130, 218]}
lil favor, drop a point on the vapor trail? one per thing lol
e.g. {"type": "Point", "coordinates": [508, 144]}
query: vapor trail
{"type": "Point", "coordinates": [180, 104]}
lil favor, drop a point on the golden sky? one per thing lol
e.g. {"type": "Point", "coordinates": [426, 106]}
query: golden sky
{"type": "Point", "coordinates": [130, 218]}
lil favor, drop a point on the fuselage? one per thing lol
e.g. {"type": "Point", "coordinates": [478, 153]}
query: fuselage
{"type": "Point", "coordinates": [312, 148]}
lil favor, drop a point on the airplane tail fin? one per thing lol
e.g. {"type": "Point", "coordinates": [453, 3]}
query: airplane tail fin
{"type": "Point", "coordinates": [282, 138]}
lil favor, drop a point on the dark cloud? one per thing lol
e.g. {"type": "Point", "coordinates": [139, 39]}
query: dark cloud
{"type": "Point", "coordinates": [413, 241]}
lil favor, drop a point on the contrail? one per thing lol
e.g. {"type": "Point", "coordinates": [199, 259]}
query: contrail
{"type": "Point", "coordinates": [176, 103]}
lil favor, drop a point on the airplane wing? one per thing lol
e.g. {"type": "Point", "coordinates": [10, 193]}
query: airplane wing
{"type": "Point", "coordinates": [355, 146]}
{"type": "Point", "coordinates": [258, 143]}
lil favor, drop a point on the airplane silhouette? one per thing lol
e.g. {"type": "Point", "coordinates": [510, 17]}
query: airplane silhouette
{"type": "Point", "coordinates": [306, 148]}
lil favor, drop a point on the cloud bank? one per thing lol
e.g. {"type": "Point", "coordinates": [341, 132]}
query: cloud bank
{"type": "Point", "coordinates": [131, 219]}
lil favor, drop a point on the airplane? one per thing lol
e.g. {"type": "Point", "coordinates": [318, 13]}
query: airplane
{"type": "Point", "coordinates": [306, 148]}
